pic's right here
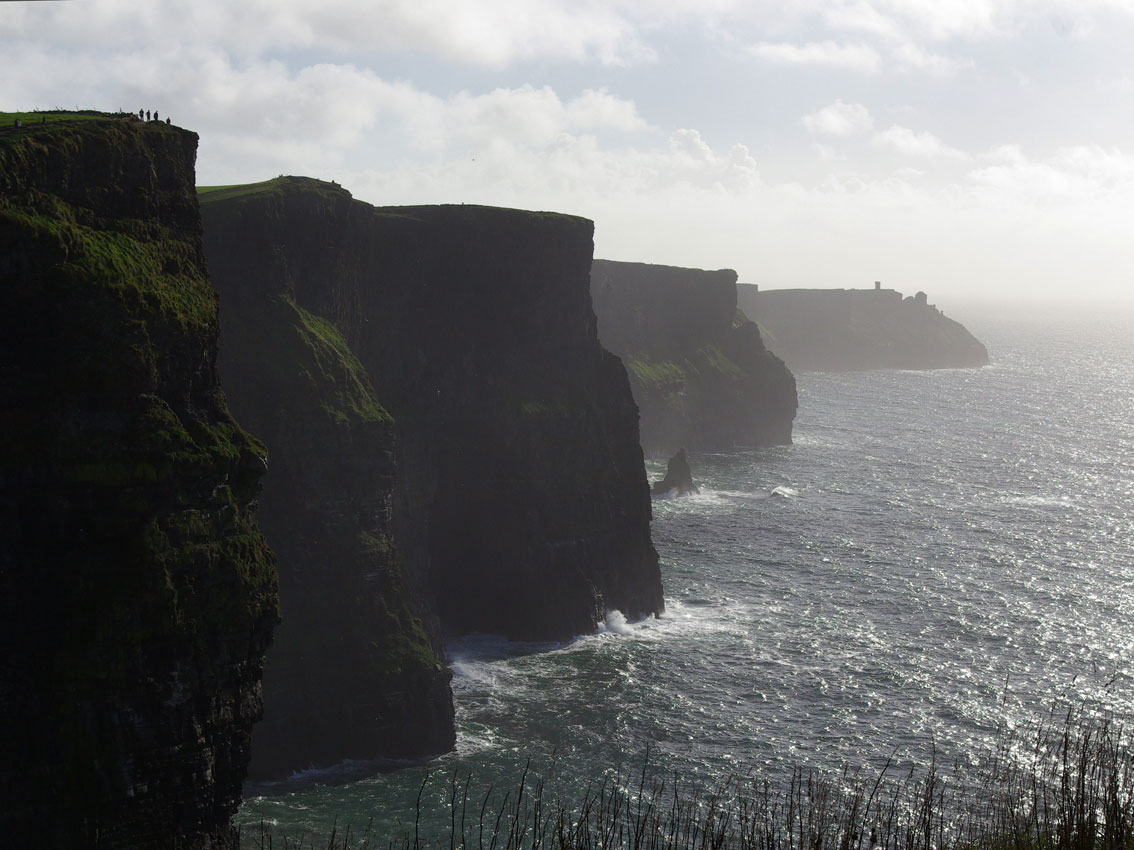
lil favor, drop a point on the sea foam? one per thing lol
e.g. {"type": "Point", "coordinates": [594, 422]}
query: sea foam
{"type": "Point", "coordinates": [616, 623]}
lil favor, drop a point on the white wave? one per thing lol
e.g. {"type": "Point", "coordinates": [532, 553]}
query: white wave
{"type": "Point", "coordinates": [474, 740]}
{"type": "Point", "coordinates": [616, 623]}
{"type": "Point", "coordinates": [476, 672]}
{"type": "Point", "coordinates": [693, 617]}
{"type": "Point", "coordinates": [786, 492]}
{"type": "Point", "coordinates": [1039, 501]}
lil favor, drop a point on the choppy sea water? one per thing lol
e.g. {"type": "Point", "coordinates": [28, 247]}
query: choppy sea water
{"type": "Point", "coordinates": [939, 555]}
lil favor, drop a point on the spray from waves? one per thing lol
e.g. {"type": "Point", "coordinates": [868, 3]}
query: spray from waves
{"type": "Point", "coordinates": [616, 623]}
{"type": "Point", "coordinates": [706, 500]}
{"type": "Point", "coordinates": [710, 500]}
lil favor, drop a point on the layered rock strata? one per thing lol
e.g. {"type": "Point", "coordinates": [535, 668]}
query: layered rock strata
{"type": "Point", "coordinates": [515, 501]}
{"type": "Point", "coordinates": [698, 368]}
{"type": "Point", "coordinates": [137, 597]}
{"type": "Point", "coordinates": [838, 330]}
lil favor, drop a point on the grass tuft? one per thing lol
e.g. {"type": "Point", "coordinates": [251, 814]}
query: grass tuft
{"type": "Point", "coordinates": [1067, 784]}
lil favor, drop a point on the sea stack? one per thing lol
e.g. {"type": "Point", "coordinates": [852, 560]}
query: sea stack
{"type": "Point", "coordinates": [678, 480]}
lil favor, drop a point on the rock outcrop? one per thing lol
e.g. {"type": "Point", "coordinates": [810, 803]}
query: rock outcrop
{"type": "Point", "coordinates": [698, 368]}
{"type": "Point", "coordinates": [838, 330]}
{"type": "Point", "coordinates": [678, 480]}
{"type": "Point", "coordinates": [517, 500]}
{"type": "Point", "coordinates": [137, 597]}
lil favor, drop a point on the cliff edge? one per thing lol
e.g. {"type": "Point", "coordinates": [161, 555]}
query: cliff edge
{"type": "Point", "coordinates": [506, 482]}
{"type": "Point", "coordinates": [137, 597]}
{"type": "Point", "coordinates": [838, 330]}
{"type": "Point", "coordinates": [698, 368]}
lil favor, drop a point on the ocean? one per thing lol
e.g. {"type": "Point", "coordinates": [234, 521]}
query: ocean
{"type": "Point", "coordinates": [940, 556]}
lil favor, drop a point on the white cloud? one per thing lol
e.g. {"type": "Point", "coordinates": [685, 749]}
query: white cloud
{"type": "Point", "coordinates": [689, 144]}
{"type": "Point", "coordinates": [827, 54]}
{"type": "Point", "coordinates": [260, 117]}
{"type": "Point", "coordinates": [1106, 166]}
{"type": "Point", "coordinates": [602, 110]}
{"type": "Point", "coordinates": [1084, 176]}
{"type": "Point", "coordinates": [839, 119]}
{"type": "Point", "coordinates": [693, 161]}
{"type": "Point", "coordinates": [862, 17]}
{"type": "Point", "coordinates": [488, 32]}
{"type": "Point", "coordinates": [909, 142]}
{"type": "Point", "coordinates": [911, 56]}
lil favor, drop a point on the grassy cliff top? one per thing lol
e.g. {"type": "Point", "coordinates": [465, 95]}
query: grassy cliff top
{"type": "Point", "coordinates": [425, 211]}
{"type": "Point", "coordinates": [99, 203]}
{"type": "Point", "coordinates": [35, 124]}
{"type": "Point", "coordinates": [277, 187]}
{"type": "Point", "coordinates": [56, 116]}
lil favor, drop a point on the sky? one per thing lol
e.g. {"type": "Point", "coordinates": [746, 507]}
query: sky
{"type": "Point", "coordinates": [973, 149]}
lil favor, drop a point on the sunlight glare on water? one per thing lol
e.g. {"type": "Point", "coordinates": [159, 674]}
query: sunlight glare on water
{"type": "Point", "coordinates": [938, 554]}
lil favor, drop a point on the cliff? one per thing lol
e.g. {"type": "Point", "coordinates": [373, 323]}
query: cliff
{"type": "Point", "coordinates": [517, 501]}
{"type": "Point", "coordinates": [699, 371]}
{"type": "Point", "coordinates": [352, 672]}
{"type": "Point", "coordinates": [855, 329]}
{"type": "Point", "coordinates": [137, 597]}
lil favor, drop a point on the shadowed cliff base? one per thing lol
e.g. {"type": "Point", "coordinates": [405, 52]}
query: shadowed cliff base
{"type": "Point", "coordinates": [698, 368]}
{"type": "Point", "coordinates": [137, 597]}
{"type": "Point", "coordinates": [839, 330]}
{"type": "Point", "coordinates": [428, 379]}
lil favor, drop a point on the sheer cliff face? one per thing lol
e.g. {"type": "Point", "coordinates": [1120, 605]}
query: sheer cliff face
{"type": "Point", "coordinates": [700, 373]}
{"type": "Point", "coordinates": [351, 673]}
{"type": "Point", "coordinates": [516, 498]}
{"type": "Point", "coordinates": [137, 597]}
{"type": "Point", "coordinates": [851, 329]}
{"type": "Point", "coordinates": [539, 510]}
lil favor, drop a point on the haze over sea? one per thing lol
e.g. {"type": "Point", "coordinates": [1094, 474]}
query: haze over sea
{"type": "Point", "coordinates": [938, 555]}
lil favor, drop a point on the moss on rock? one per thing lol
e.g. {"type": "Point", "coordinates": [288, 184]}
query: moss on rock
{"type": "Point", "coordinates": [348, 625]}
{"type": "Point", "coordinates": [138, 595]}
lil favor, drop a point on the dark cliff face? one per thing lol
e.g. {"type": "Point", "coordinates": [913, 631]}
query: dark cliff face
{"type": "Point", "coordinates": [352, 672]}
{"type": "Point", "coordinates": [518, 502]}
{"type": "Point", "coordinates": [836, 330]}
{"type": "Point", "coordinates": [539, 514]}
{"type": "Point", "coordinates": [700, 373]}
{"type": "Point", "coordinates": [137, 597]}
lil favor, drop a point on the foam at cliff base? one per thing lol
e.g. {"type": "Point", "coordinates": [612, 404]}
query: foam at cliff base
{"type": "Point", "coordinates": [471, 655]}
{"type": "Point", "coordinates": [615, 623]}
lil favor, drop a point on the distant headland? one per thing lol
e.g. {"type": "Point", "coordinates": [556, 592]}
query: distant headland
{"type": "Point", "coordinates": [820, 330]}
